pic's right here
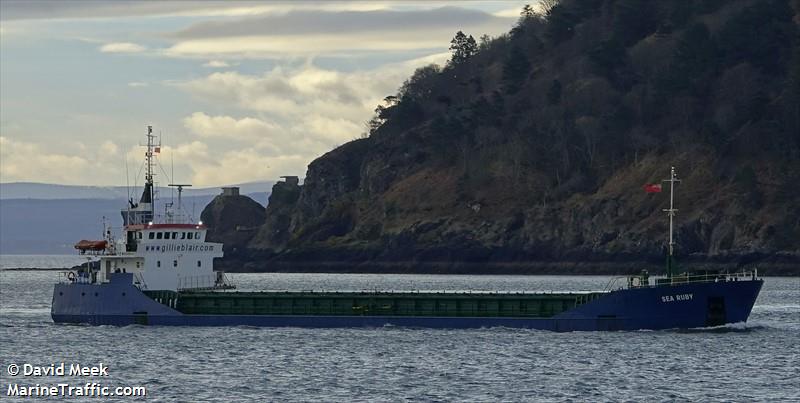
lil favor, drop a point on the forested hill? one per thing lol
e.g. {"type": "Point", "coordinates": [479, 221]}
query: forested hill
{"type": "Point", "coordinates": [528, 152]}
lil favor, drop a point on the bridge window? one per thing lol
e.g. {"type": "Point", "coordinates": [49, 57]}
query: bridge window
{"type": "Point", "coordinates": [159, 235]}
{"type": "Point", "coordinates": [139, 235]}
{"type": "Point", "coordinates": [196, 235]}
{"type": "Point", "coordinates": [166, 235]}
{"type": "Point", "coordinates": [152, 235]}
{"type": "Point", "coordinates": [183, 235]}
{"type": "Point", "coordinates": [174, 235]}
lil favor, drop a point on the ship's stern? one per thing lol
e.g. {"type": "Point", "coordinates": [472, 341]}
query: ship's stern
{"type": "Point", "coordinates": [116, 302]}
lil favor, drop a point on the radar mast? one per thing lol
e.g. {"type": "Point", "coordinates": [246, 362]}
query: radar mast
{"type": "Point", "coordinates": [673, 177]}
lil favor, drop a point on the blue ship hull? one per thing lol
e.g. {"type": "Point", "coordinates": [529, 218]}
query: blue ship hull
{"type": "Point", "coordinates": [119, 302]}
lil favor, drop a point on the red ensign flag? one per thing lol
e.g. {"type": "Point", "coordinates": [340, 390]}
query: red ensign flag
{"type": "Point", "coordinates": [652, 188]}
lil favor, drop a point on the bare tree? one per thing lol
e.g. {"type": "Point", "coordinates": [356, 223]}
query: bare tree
{"type": "Point", "coordinates": [484, 42]}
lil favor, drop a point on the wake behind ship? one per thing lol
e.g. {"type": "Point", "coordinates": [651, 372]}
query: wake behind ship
{"type": "Point", "coordinates": [162, 274]}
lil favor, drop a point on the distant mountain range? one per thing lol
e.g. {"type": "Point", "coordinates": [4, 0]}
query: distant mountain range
{"type": "Point", "coordinates": [48, 191]}
{"type": "Point", "coordinates": [37, 218]}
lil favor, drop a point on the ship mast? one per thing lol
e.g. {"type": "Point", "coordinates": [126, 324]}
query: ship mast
{"type": "Point", "coordinates": [148, 176]}
{"type": "Point", "coordinates": [671, 213]}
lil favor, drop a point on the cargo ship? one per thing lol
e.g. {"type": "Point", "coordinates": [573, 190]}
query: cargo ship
{"type": "Point", "coordinates": [162, 274]}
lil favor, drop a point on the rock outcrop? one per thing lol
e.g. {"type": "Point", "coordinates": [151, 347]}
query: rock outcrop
{"type": "Point", "coordinates": [234, 221]}
{"type": "Point", "coordinates": [276, 231]}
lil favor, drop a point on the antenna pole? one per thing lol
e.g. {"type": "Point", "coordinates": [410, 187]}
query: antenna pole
{"type": "Point", "coordinates": [673, 177]}
{"type": "Point", "coordinates": [180, 194]}
{"type": "Point", "coordinates": [149, 168]}
{"type": "Point", "coordinates": [152, 149]}
{"type": "Point", "coordinates": [148, 176]}
{"type": "Point", "coordinates": [128, 189]}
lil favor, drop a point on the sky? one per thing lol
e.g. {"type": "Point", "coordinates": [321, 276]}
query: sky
{"type": "Point", "coordinates": [238, 91]}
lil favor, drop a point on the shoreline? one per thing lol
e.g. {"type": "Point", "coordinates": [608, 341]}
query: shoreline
{"type": "Point", "coordinates": [782, 269]}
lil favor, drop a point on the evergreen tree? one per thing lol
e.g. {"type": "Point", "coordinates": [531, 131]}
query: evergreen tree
{"type": "Point", "coordinates": [526, 16]}
{"type": "Point", "coordinates": [527, 12]}
{"type": "Point", "coordinates": [463, 47]}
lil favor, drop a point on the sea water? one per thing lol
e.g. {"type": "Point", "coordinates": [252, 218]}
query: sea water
{"type": "Point", "coordinates": [757, 361]}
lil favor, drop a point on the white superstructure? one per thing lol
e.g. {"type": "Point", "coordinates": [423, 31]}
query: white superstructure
{"type": "Point", "coordinates": [165, 257]}
{"type": "Point", "coordinates": [161, 256]}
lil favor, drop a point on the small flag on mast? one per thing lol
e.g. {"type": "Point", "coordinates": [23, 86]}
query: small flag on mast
{"type": "Point", "coordinates": [652, 188]}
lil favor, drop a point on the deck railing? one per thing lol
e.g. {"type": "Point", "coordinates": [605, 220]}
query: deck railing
{"type": "Point", "coordinates": [65, 277]}
{"type": "Point", "coordinates": [644, 280]}
{"type": "Point", "coordinates": [216, 281]}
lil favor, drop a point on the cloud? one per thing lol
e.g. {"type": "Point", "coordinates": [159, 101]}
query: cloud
{"type": "Point", "coordinates": [205, 165]}
{"type": "Point", "coordinates": [241, 123]}
{"type": "Point", "coordinates": [297, 113]}
{"type": "Point", "coordinates": [86, 9]}
{"type": "Point", "coordinates": [238, 166]}
{"type": "Point", "coordinates": [308, 139]}
{"type": "Point", "coordinates": [217, 64]}
{"type": "Point", "coordinates": [302, 22]}
{"type": "Point", "coordinates": [293, 93]}
{"type": "Point", "coordinates": [321, 32]}
{"type": "Point", "coordinates": [267, 47]}
{"type": "Point", "coordinates": [332, 129]}
{"type": "Point", "coordinates": [309, 110]}
{"type": "Point", "coordinates": [122, 47]}
{"type": "Point", "coordinates": [25, 161]}
{"type": "Point", "coordinates": [182, 160]}
{"type": "Point", "coordinates": [509, 12]}
{"type": "Point", "coordinates": [53, 9]}
{"type": "Point", "coordinates": [192, 153]}
{"type": "Point", "coordinates": [109, 149]}
{"type": "Point", "coordinates": [278, 91]}
{"type": "Point", "coordinates": [228, 127]}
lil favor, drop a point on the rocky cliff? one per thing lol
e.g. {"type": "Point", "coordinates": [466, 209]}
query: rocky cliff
{"type": "Point", "coordinates": [528, 152]}
{"type": "Point", "coordinates": [233, 220]}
